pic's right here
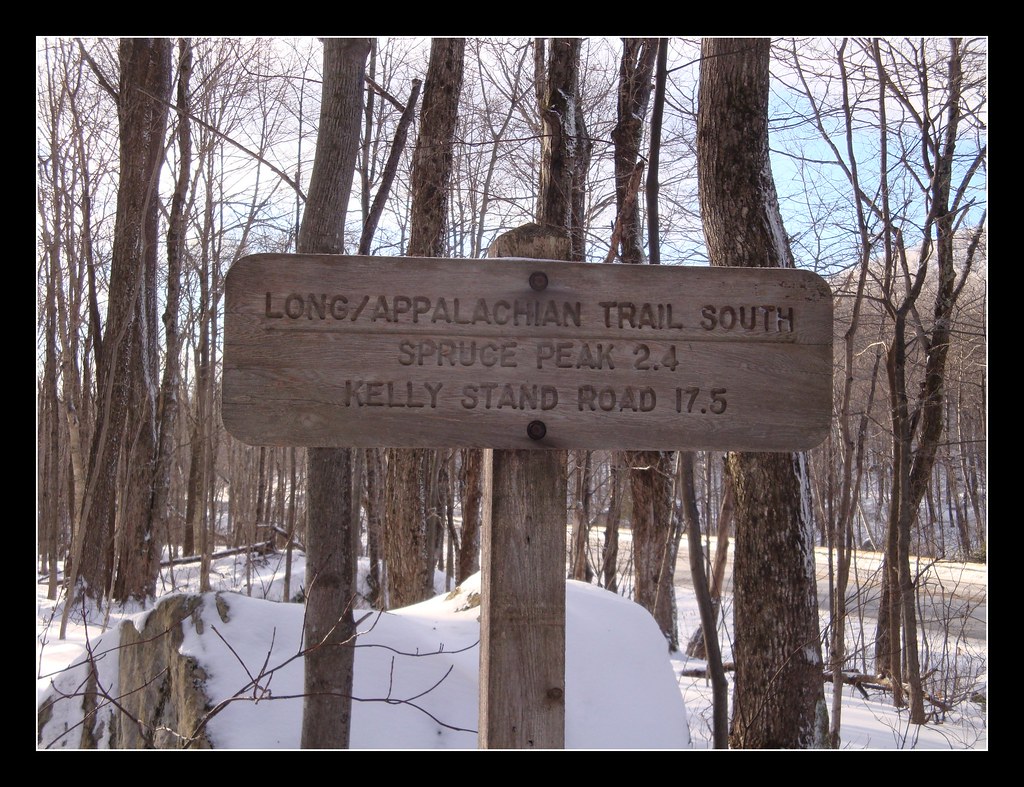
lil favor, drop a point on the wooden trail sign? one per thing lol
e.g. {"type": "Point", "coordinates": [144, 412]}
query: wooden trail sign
{"type": "Point", "coordinates": [331, 350]}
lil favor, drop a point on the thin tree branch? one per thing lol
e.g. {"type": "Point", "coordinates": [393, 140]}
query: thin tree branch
{"type": "Point", "coordinates": [382, 92]}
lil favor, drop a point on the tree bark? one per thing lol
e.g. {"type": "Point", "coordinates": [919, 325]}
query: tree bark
{"type": "Point", "coordinates": [610, 558]}
{"type": "Point", "coordinates": [579, 563]}
{"type": "Point", "coordinates": [160, 515]}
{"type": "Point", "coordinates": [779, 694]}
{"type": "Point", "coordinates": [138, 555]}
{"type": "Point", "coordinates": [408, 537]}
{"type": "Point", "coordinates": [558, 93]}
{"type": "Point", "coordinates": [649, 471]}
{"type": "Point", "coordinates": [374, 211]}
{"type": "Point", "coordinates": [292, 520]}
{"type": "Point", "coordinates": [696, 647]}
{"type": "Point", "coordinates": [48, 445]}
{"type": "Point", "coordinates": [432, 159]}
{"type": "Point", "coordinates": [650, 476]}
{"type": "Point", "coordinates": [142, 116]}
{"type": "Point", "coordinates": [917, 426]}
{"type": "Point", "coordinates": [636, 67]}
{"type": "Point", "coordinates": [578, 183]}
{"type": "Point", "coordinates": [409, 572]}
{"type": "Point", "coordinates": [331, 535]}
{"type": "Point", "coordinates": [472, 486]}
{"type": "Point", "coordinates": [708, 609]}
{"type": "Point", "coordinates": [654, 159]}
{"type": "Point", "coordinates": [375, 524]}
{"type": "Point", "coordinates": [852, 449]}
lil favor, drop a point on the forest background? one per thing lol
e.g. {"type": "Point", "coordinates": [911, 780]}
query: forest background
{"type": "Point", "coordinates": [879, 157]}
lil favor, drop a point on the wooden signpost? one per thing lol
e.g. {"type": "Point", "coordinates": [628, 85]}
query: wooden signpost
{"type": "Point", "coordinates": [407, 352]}
{"type": "Point", "coordinates": [518, 354]}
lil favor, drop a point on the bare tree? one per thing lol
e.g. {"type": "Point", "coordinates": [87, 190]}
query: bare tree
{"type": "Point", "coordinates": [636, 71]}
{"type": "Point", "coordinates": [921, 420]}
{"type": "Point", "coordinates": [142, 95]}
{"type": "Point", "coordinates": [778, 700]}
{"type": "Point", "coordinates": [171, 383]}
{"type": "Point", "coordinates": [493, 122]}
{"type": "Point", "coordinates": [914, 212]}
{"type": "Point", "coordinates": [557, 84]}
{"type": "Point", "coordinates": [411, 528]}
{"type": "Point", "coordinates": [650, 472]}
{"type": "Point", "coordinates": [471, 468]}
{"type": "Point", "coordinates": [579, 562]}
{"type": "Point", "coordinates": [73, 161]}
{"type": "Point", "coordinates": [331, 538]}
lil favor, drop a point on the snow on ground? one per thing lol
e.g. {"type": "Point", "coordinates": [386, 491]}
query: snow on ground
{"type": "Point", "coordinates": [416, 671]}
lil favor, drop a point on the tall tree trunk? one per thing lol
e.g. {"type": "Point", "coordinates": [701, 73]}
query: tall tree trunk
{"type": "Point", "coordinates": [160, 515]}
{"type": "Point", "coordinates": [373, 212]}
{"type": "Point", "coordinates": [558, 91]}
{"type": "Point", "coordinates": [900, 518]}
{"type": "Point", "coordinates": [696, 647]}
{"type": "Point", "coordinates": [705, 603]}
{"type": "Point", "coordinates": [193, 489]}
{"type": "Point", "coordinates": [142, 114]}
{"type": "Point", "coordinates": [779, 695]}
{"type": "Point", "coordinates": [432, 159]}
{"type": "Point", "coordinates": [472, 492]}
{"type": "Point", "coordinates": [405, 528]}
{"type": "Point", "coordinates": [852, 449]}
{"type": "Point", "coordinates": [292, 520]}
{"type": "Point", "coordinates": [139, 556]}
{"type": "Point", "coordinates": [610, 558]}
{"type": "Point", "coordinates": [331, 535]}
{"type": "Point", "coordinates": [408, 538]}
{"type": "Point", "coordinates": [650, 476]}
{"type": "Point", "coordinates": [649, 471]}
{"type": "Point", "coordinates": [636, 67]}
{"type": "Point", "coordinates": [138, 559]}
{"type": "Point", "coordinates": [930, 402]}
{"type": "Point", "coordinates": [198, 510]}
{"type": "Point", "coordinates": [375, 524]}
{"type": "Point", "coordinates": [887, 637]}
{"type": "Point", "coordinates": [48, 482]}
{"type": "Point", "coordinates": [918, 428]}
{"type": "Point", "coordinates": [578, 179]}
{"type": "Point", "coordinates": [579, 564]}
{"type": "Point", "coordinates": [708, 599]}
{"type": "Point", "coordinates": [654, 159]}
